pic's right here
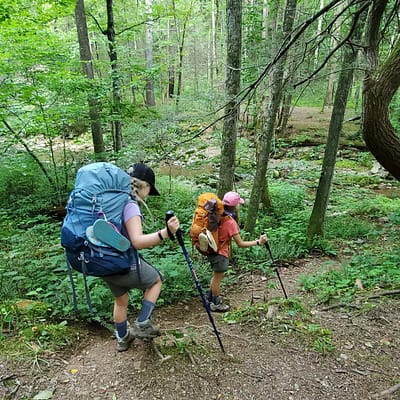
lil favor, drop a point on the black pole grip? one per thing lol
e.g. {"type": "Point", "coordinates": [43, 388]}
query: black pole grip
{"type": "Point", "coordinates": [168, 215]}
{"type": "Point", "coordinates": [268, 249]}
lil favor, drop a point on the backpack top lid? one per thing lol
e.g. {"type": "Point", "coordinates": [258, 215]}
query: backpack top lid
{"type": "Point", "coordinates": [209, 210]}
{"type": "Point", "coordinates": [101, 192]}
{"type": "Point", "coordinates": [101, 177]}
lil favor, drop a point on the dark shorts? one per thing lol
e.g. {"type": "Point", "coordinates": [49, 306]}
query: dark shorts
{"type": "Point", "coordinates": [218, 262]}
{"type": "Point", "coordinates": [142, 277]}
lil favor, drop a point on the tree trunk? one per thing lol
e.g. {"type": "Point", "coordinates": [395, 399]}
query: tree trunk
{"type": "Point", "coordinates": [380, 85]}
{"type": "Point", "coordinates": [87, 67]}
{"type": "Point", "coordinates": [269, 126]}
{"type": "Point", "coordinates": [181, 43]}
{"type": "Point", "coordinates": [317, 219]}
{"type": "Point", "coordinates": [378, 132]}
{"type": "Point", "coordinates": [179, 90]}
{"type": "Point", "coordinates": [318, 33]}
{"type": "Point", "coordinates": [213, 45]}
{"type": "Point", "coordinates": [233, 64]}
{"type": "Point", "coordinates": [116, 86]}
{"type": "Point", "coordinates": [171, 62]}
{"type": "Point", "coordinates": [284, 112]}
{"type": "Point", "coordinates": [150, 98]}
{"type": "Point", "coordinates": [330, 87]}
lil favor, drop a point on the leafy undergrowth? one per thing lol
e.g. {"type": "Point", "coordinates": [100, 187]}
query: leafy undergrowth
{"type": "Point", "coordinates": [294, 347]}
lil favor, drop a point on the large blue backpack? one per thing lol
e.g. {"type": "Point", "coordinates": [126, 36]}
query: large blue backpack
{"type": "Point", "coordinates": [101, 192]}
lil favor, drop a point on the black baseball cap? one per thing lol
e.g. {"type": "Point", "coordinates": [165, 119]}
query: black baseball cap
{"type": "Point", "coordinates": [144, 173]}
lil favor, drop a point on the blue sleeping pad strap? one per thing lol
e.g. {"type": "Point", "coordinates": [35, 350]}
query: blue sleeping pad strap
{"type": "Point", "coordinates": [71, 279]}
{"type": "Point", "coordinates": [84, 272]}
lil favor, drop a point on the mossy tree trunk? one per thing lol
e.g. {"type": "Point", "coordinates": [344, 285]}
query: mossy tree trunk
{"type": "Point", "coordinates": [88, 70]}
{"type": "Point", "coordinates": [317, 219]}
{"type": "Point", "coordinates": [259, 185]}
{"type": "Point", "coordinates": [233, 64]}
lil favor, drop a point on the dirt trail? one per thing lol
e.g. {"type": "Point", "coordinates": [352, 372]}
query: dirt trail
{"type": "Point", "coordinates": [258, 364]}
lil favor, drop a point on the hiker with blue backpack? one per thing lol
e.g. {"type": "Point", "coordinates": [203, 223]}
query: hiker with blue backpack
{"type": "Point", "coordinates": [102, 235]}
{"type": "Point", "coordinates": [219, 261]}
{"type": "Point", "coordinates": [143, 276]}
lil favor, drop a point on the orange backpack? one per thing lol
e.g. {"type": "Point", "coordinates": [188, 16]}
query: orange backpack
{"type": "Point", "coordinates": [208, 216]}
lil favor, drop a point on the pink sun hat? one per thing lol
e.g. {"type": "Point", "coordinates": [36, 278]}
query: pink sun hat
{"type": "Point", "coordinates": [232, 199]}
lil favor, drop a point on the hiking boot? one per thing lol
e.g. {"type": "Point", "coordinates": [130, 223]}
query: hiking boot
{"type": "Point", "coordinates": [146, 330]}
{"type": "Point", "coordinates": [219, 307]}
{"type": "Point", "coordinates": [123, 344]}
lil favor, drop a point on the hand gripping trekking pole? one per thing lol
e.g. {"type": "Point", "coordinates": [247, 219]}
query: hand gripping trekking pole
{"type": "Point", "coordinates": [178, 234]}
{"type": "Point", "coordinates": [275, 267]}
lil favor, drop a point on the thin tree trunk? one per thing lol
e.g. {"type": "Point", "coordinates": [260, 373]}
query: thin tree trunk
{"type": "Point", "coordinates": [181, 38]}
{"type": "Point", "coordinates": [150, 98]}
{"type": "Point", "coordinates": [116, 85]}
{"type": "Point", "coordinates": [88, 70]}
{"type": "Point", "coordinates": [330, 87]}
{"type": "Point", "coordinates": [171, 62]}
{"type": "Point", "coordinates": [258, 189]}
{"type": "Point", "coordinates": [213, 45]}
{"type": "Point", "coordinates": [319, 30]}
{"type": "Point", "coordinates": [285, 109]}
{"type": "Point", "coordinates": [317, 219]}
{"type": "Point", "coordinates": [233, 65]}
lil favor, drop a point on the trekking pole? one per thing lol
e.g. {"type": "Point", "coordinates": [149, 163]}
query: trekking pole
{"type": "Point", "coordinates": [275, 267]}
{"type": "Point", "coordinates": [168, 215]}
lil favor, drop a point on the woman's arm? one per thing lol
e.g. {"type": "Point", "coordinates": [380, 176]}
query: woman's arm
{"type": "Point", "coordinates": [140, 240]}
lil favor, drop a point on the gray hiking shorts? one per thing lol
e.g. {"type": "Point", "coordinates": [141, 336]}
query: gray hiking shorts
{"type": "Point", "coordinates": [142, 277]}
{"type": "Point", "coordinates": [218, 262]}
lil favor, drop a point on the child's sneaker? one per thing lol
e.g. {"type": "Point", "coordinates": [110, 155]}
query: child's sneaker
{"type": "Point", "coordinates": [218, 306]}
{"type": "Point", "coordinates": [146, 330]}
{"type": "Point", "coordinates": [203, 242]}
{"type": "Point", "coordinates": [123, 344]}
{"type": "Point", "coordinates": [107, 233]}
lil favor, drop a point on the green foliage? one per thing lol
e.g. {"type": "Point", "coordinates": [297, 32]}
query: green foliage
{"type": "Point", "coordinates": [27, 326]}
{"type": "Point", "coordinates": [339, 284]}
{"type": "Point", "coordinates": [288, 317]}
{"type": "Point", "coordinates": [286, 198]}
{"type": "Point", "coordinates": [181, 342]}
{"type": "Point", "coordinates": [375, 207]}
{"type": "Point", "coordinates": [349, 164]}
{"type": "Point", "coordinates": [23, 187]}
{"type": "Point", "coordinates": [291, 233]}
{"type": "Point", "coordinates": [33, 266]}
{"type": "Point", "coordinates": [345, 227]}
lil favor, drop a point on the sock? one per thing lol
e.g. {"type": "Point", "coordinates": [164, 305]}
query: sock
{"type": "Point", "coordinates": [209, 296]}
{"type": "Point", "coordinates": [145, 311]}
{"type": "Point", "coordinates": [121, 328]}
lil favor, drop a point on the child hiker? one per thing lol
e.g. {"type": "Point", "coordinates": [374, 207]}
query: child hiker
{"type": "Point", "coordinates": [220, 262]}
{"type": "Point", "coordinates": [141, 275]}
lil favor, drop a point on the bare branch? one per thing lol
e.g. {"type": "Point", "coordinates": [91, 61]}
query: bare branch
{"type": "Point", "coordinates": [29, 151]}
{"type": "Point", "coordinates": [104, 31]}
{"type": "Point", "coordinates": [249, 91]}
{"type": "Point", "coordinates": [335, 49]}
